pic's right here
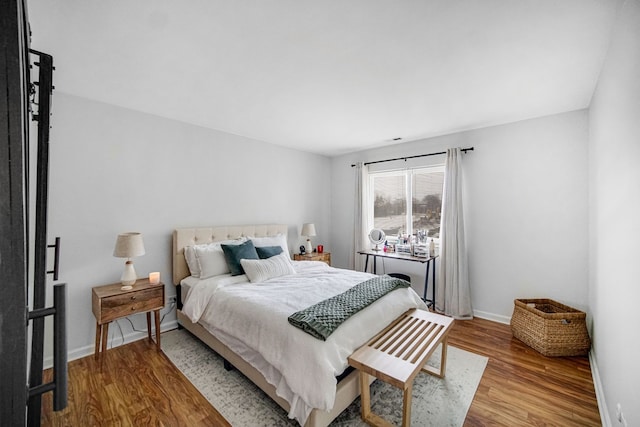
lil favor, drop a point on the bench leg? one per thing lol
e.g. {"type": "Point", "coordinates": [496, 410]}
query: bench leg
{"type": "Point", "coordinates": [365, 405]}
{"type": "Point", "coordinates": [365, 398]}
{"type": "Point", "coordinates": [443, 362]}
{"type": "Point", "coordinates": [443, 357]}
{"type": "Point", "coordinates": [406, 405]}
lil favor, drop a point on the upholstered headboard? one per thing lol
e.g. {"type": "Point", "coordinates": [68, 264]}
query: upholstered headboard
{"type": "Point", "coordinates": [196, 236]}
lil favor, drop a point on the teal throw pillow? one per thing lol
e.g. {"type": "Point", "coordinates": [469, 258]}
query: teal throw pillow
{"type": "Point", "coordinates": [234, 253]}
{"type": "Point", "coordinates": [265, 252]}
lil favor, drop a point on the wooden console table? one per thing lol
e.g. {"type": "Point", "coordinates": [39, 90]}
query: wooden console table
{"type": "Point", "coordinates": [406, 257]}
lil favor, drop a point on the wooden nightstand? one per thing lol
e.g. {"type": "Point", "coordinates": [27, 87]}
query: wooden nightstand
{"type": "Point", "coordinates": [314, 256]}
{"type": "Point", "coordinates": [111, 303]}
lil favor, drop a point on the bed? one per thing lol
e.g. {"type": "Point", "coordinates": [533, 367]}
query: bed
{"type": "Point", "coordinates": [240, 342]}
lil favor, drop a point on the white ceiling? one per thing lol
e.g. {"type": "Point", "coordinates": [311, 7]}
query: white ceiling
{"type": "Point", "coordinates": [329, 76]}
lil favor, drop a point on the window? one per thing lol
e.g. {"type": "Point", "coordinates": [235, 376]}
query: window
{"type": "Point", "coordinates": [407, 201]}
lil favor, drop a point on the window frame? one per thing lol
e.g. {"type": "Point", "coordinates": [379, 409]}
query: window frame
{"type": "Point", "coordinates": [408, 174]}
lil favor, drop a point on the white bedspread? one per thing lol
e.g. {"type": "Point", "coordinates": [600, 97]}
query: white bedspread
{"type": "Point", "coordinates": [253, 316]}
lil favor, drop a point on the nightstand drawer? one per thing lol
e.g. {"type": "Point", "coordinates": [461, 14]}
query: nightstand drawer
{"type": "Point", "coordinates": [314, 256]}
{"type": "Point", "coordinates": [117, 306]}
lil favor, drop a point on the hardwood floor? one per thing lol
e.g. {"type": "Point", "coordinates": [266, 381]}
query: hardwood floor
{"type": "Point", "coordinates": [520, 387]}
{"type": "Point", "coordinates": [135, 385]}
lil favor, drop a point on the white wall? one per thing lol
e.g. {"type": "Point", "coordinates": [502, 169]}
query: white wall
{"type": "Point", "coordinates": [116, 170]}
{"type": "Point", "coordinates": [525, 208]}
{"type": "Point", "coordinates": [614, 205]}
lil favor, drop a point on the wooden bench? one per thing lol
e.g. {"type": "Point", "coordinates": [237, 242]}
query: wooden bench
{"type": "Point", "coordinates": [397, 354]}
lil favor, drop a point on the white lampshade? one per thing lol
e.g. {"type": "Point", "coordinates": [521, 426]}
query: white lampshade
{"type": "Point", "coordinates": [308, 230]}
{"type": "Point", "coordinates": [128, 245]}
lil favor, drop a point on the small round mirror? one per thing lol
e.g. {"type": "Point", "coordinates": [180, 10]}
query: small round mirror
{"type": "Point", "coordinates": [377, 237]}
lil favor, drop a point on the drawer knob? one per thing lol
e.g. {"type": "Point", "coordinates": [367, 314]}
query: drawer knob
{"type": "Point", "coordinates": [133, 297]}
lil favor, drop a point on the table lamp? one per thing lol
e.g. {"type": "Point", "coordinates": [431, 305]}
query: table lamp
{"type": "Point", "coordinates": [308, 230]}
{"type": "Point", "coordinates": [128, 245]}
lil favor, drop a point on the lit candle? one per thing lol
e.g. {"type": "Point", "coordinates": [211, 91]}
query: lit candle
{"type": "Point", "coordinates": [154, 278]}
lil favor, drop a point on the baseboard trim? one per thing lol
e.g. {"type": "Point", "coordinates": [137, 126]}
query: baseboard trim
{"type": "Point", "coordinates": [597, 384]}
{"type": "Point", "coordinates": [491, 316]}
{"type": "Point", "coordinates": [88, 350]}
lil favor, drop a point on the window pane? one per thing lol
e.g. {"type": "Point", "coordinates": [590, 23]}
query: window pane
{"type": "Point", "coordinates": [427, 202]}
{"type": "Point", "coordinates": [390, 203]}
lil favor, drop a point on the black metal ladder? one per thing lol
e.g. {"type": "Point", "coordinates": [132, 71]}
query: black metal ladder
{"type": "Point", "coordinates": [37, 315]}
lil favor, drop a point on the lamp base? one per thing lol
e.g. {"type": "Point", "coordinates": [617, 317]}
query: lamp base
{"type": "Point", "coordinates": [128, 277]}
{"type": "Point", "coordinates": [308, 247]}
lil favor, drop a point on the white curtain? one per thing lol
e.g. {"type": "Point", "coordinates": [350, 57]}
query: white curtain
{"type": "Point", "coordinates": [360, 225]}
{"type": "Point", "coordinates": [452, 291]}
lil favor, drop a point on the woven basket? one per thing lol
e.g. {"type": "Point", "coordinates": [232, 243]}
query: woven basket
{"type": "Point", "coordinates": [551, 328]}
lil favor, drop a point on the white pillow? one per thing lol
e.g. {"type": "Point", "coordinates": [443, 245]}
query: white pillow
{"type": "Point", "coordinates": [192, 261]}
{"type": "Point", "coordinates": [211, 261]}
{"type": "Point", "coordinates": [259, 270]}
{"type": "Point", "coordinates": [208, 260]}
{"type": "Point", "coordinates": [277, 240]}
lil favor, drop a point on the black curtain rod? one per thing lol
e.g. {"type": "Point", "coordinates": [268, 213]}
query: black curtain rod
{"type": "Point", "coordinates": [464, 150]}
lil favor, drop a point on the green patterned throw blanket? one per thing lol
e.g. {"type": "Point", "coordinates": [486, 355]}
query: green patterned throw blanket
{"type": "Point", "coordinates": [321, 319]}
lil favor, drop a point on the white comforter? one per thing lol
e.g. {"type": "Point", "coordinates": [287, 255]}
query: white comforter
{"type": "Point", "coordinates": [251, 318]}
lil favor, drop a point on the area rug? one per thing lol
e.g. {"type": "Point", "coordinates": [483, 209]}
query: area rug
{"type": "Point", "coordinates": [436, 402]}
